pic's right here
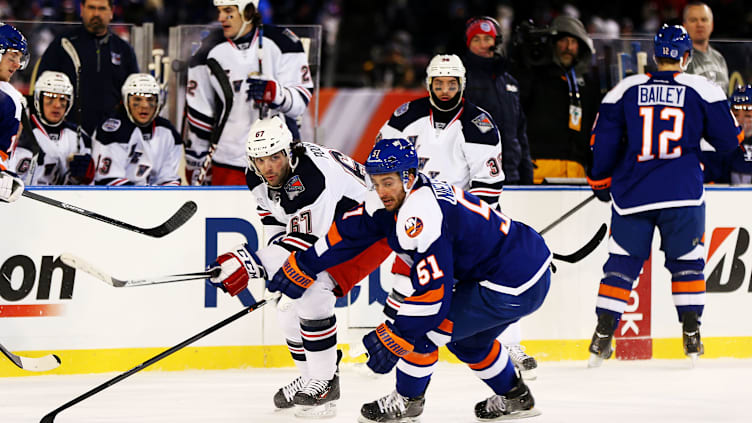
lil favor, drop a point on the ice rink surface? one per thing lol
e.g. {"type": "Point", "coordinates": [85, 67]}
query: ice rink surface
{"type": "Point", "coordinates": [716, 390]}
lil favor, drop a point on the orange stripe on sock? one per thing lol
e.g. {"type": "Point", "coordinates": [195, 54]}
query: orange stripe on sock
{"type": "Point", "coordinates": [614, 292]}
{"type": "Point", "coordinates": [679, 287]}
{"type": "Point", "coordinates": [447, 326]}
{"type": "Point", "coordinates": [490, 358]}
{"type": "Point", "coordinates": [422, 359]}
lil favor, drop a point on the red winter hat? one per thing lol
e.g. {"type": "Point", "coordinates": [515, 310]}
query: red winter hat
{"type": "Point", "coordinates": [479, 26]}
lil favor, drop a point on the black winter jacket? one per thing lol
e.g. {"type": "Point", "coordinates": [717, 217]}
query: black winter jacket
{"type": "Point", "coordinates": [492, 88]}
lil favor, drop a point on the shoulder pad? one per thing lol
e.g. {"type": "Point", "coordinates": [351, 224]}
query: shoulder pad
{"type": "Point", "coordinates": [284, 38]}
{"type": "Point", "coordinates": [207, 44]}
{"type": "Point", "coordinates": [478, 126]}
{"type": "Point", "coordinates": [409, 113]}
{"type": "Point", "coordinates": [164, 123]}
{"type": "Point", "coordinates": [419, 220]}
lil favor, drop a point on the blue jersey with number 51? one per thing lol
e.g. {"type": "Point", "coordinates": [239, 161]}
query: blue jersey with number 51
{"type": "Point", "coordinates": [647, 139]}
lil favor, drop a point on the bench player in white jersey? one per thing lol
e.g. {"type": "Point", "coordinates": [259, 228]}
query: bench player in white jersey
{"type": "Point", "coordinates": [134, 145]}
{"type": "Point", "coordinates": [646, 157]}
{"type": "Point", "coordinates": [459, 143]}
{"type": "Point", "coordinates": [300, 188]}
{"type": "Point", "coordinates": [226, 71]}
{"type": "Point", "coordinates": [13, 56]}
{"type": "Point", "coordinates": [53, 151]}
{"type": "Point", "coordinates": [473, 272]}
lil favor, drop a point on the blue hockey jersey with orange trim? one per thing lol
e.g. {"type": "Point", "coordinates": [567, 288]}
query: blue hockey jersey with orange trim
{"type": "Point", "coordinates": [647, 139]}
{"type": "Point", "coordinates": [447, 236]}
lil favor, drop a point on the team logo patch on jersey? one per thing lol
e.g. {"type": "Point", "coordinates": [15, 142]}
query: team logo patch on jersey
{"type": "Point", "coordinates": [111, 125]}
{"type": "Point", "coordinates": [483, 123]}
{"type": "Point", "coordinates": [115, 58]}
{"type": "Point", "coordinates": [413, 226]}
{"type": "Point", "coordinates": [291, 35]}
{"type": "Point", "coordinates": [401, 110]}
{"type": "Point", "coordinates": [294, 186]}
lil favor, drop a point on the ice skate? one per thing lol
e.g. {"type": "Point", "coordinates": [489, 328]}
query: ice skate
{"type": "Point", "coordinates": [515, 404]}
{"type": "Point", "coordinates": [283, 397]}
{"type": "Point", "coordinates": [600, 345]}
{"type": "Point", "coordinates": [524, 363]}
{"type": "Point", "coordinates": [393, 408]}
{"type": "Point", "coordinates": [317, 398]}
{"type": "Point", "coordinates": [693, 347]}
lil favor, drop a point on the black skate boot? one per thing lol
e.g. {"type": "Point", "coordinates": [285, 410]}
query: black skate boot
{"type": "Point", "coordinates": [515, 404]}
{"type": "Point", "coordinates": [524, 363]}
{"type": "Point", "coordinates": [693, 347]}
{"type": "Point", "coordinates": [600, 345]}
{"type": "Point", "coordinates": [283, 397]}
{"type": "Point", "coordinates": [393, 408]}
{"type": "Point", "coordinates": [318, 398]}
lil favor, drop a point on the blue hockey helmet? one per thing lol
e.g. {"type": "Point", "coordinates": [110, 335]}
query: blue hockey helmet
{"type": "Point", "coordinates": [11, 39]}
{"type": "Point", "coordinates": [672, 42]}
{"type": "Point", "coordinates": [392, 155]}
{"type": "Point", "coordinates": [741, 98]}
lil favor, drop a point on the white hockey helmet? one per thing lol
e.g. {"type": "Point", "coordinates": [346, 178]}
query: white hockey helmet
{"type": "Point", "coordinates": [241, 4]}
{"type": "Point", "coordinates": [266, 137]}
{"type": "Point", "coordinates": [446, 65]}
{"type": "Point", "coordinates": [52, 82]}
{"type": "Point", "coordinates": [141, 84]}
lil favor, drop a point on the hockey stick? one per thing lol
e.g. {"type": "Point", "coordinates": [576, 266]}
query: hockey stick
{"type": "Point", "coordinates": [81, 264]}
{"type": "Point", "coordinates": [567, 214]}
{"type": "Point", "coordinates": [224, 84]}
{"type": "Point", "coordinates": [50, 417]}
{"type": "Point", "coordinates": [185, 212]}
{"type": "Point", "coordinates": [39, 364]}
{"type": "Point", "coordinates": [586, 249]}
{"type": "Point", "coordinates": [73, 54]}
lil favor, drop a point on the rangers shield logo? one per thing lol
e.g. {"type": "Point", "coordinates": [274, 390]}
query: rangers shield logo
{"type": "Point", "coordinates": [294, 186]}
{"type": "Point", "coordinates": [483, 123]}
{"type": "Point", "coordinates": [413, 227]}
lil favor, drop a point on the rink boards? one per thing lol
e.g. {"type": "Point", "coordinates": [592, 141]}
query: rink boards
{"type": "Point", "coordinates": [94, 327]}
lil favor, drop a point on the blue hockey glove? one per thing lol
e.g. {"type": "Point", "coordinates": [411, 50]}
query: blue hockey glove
{"type": "Point", "coordinates": [292, 279]}
{"type": "Point", "coordinates": [82, 169]}
{"type": "Point", "coordinates": [236, 268]}
{"type": "Point", "coordinates": [385, 347]}
{"type": "Point", "coordinates": [265, 91]}
{"type": "Point", "coordinates": [601, 188]}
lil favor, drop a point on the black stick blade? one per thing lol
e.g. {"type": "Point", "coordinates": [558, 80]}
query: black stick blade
{"type": "Point", "coordinates": [585, 250]}
{"type": "Point", "coordinates": [184, 213]}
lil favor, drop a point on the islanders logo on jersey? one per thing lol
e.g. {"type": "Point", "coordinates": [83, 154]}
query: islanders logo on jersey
{"type": "Point", "coordinates": [413, 227]}
{"type": "Point", "coordinates": [294, 186]}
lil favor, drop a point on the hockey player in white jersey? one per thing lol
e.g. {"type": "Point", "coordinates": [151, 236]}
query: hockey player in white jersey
{"type": "Point", "coordinates": [300, 188]}
{"type": "Point", "coordinates": [53, 151]}
{"type": "Point", "coordinates": [242, 67]}
{"type": "Point", "coordinates": [459, 143]}
{"type": "Point", "coordinates": [135, 146]}
{"type": "Point", "coordinates": [13, 56]}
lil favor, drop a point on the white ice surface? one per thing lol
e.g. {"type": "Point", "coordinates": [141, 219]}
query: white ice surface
{"type": "Point", "coordinates": [666, 391]}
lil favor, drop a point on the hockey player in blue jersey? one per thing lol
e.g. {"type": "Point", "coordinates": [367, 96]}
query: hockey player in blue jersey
{"type": "Point", "coordinates": [474, 271]}
{"type": "Point", "coordinates": [646, 147]}
{"type": "Point", "coordinates": [13, 56]}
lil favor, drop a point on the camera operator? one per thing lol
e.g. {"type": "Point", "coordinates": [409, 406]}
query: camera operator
{"type": "Point", "coordinates": [558, 95]}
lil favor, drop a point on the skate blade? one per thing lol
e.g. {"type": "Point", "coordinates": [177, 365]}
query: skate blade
{"type": "Point", "coordinates": [529, 374]}
{"type": "Point", "coordinates": [515, 415]}
{"type": "Point", "coordinates": [362, 419]}
{"type": "Point", "coordinates": [693, 357]}
{"type": "Point", "coordinates": [323, 411]}
{"type": "Point", "coordinates": [594, 361]}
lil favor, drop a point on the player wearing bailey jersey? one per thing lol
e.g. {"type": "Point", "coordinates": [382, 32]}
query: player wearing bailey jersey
{"type": "Point", "coordinates": [473, 272]}
{"type": "Point", "coordinates": [646, 156]}
{"type": "Point", "coordinates": [13, 56]}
